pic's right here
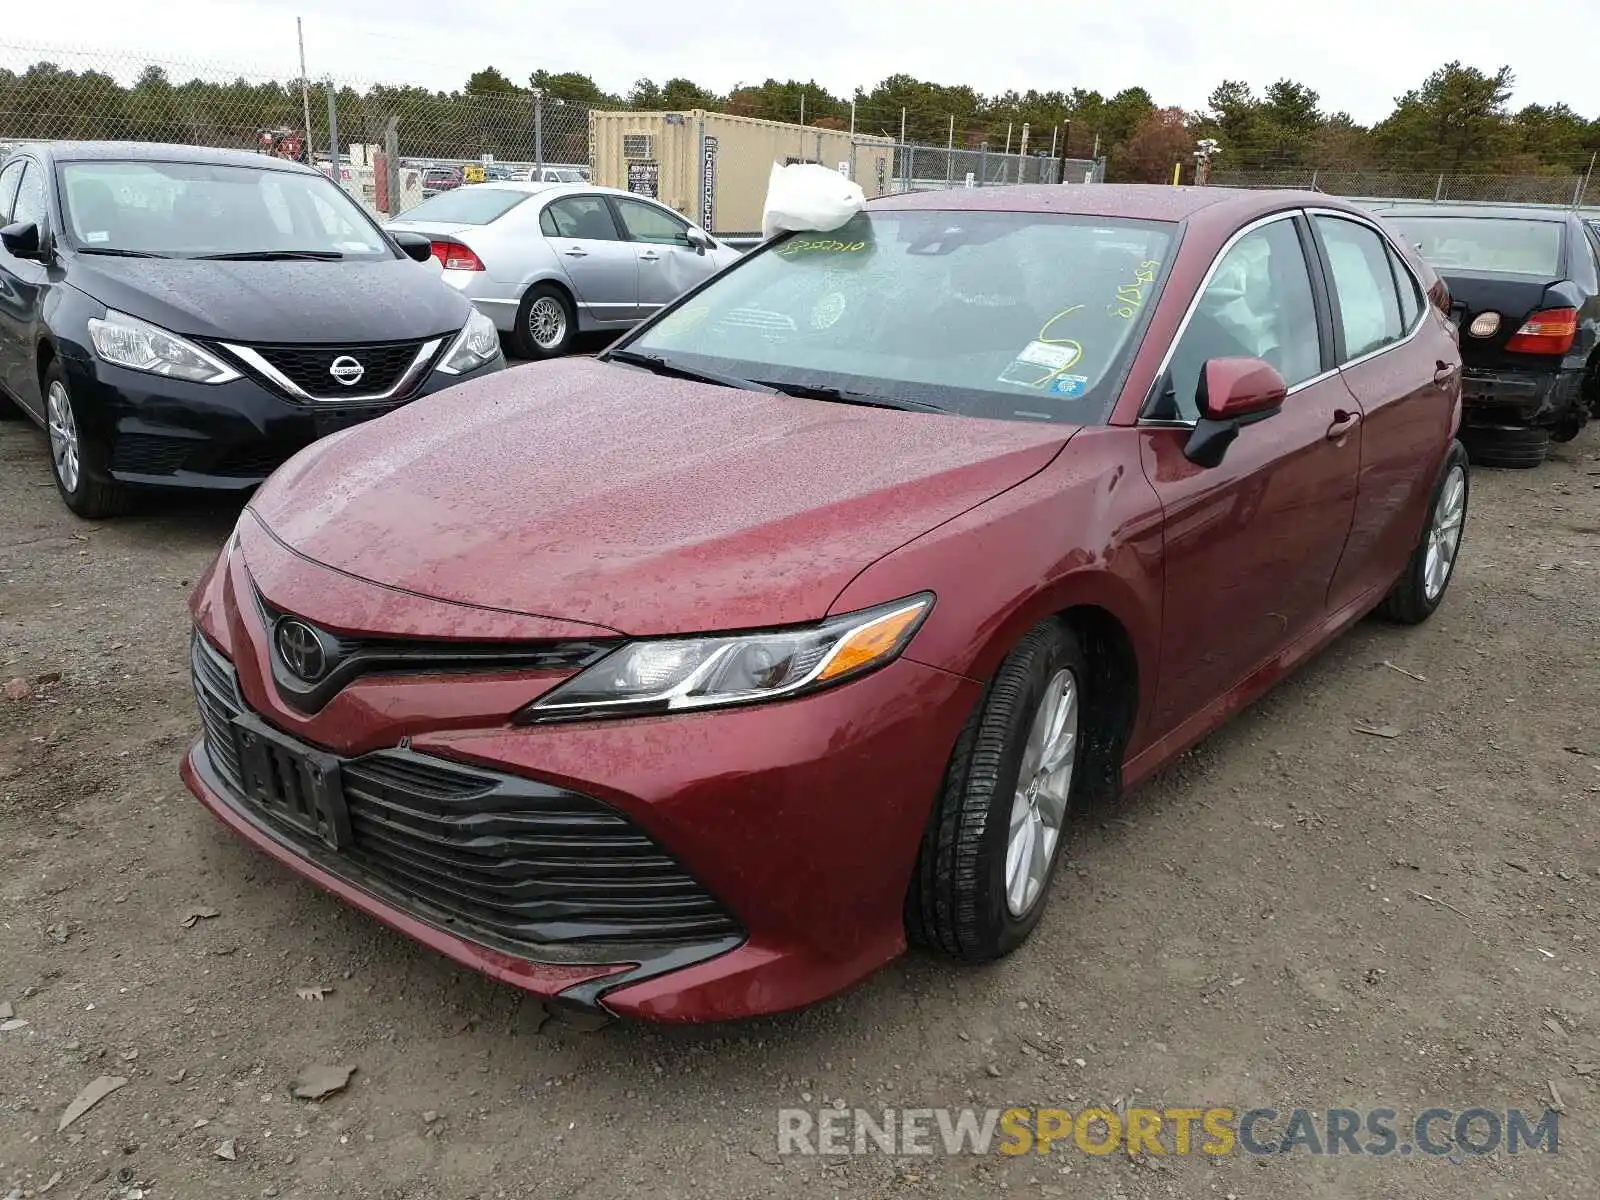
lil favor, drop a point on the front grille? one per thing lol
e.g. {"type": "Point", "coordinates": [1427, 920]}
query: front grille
{"type": "Point", "coordinates": [149, 454]}
{"type": "Point", "coordinates": [513, 861]}
{"type": "Point", "coordinates": [308, 367]}
{"type": "Point", "coordinates": [350, 657]}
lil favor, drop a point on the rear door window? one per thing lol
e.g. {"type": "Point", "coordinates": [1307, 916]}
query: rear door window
{"type": "Point", "coordinates": [1411, 300]}
{"type": "Point", "coordinates": [1365, 298]}
{"type": "Point", "coordinates": [587, 218]}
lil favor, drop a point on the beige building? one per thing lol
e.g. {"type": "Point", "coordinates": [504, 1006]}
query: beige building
{"type": "Point", "coordinates": [713, 168]}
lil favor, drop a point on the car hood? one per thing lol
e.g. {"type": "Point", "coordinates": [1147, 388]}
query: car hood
{"type": "Point", "coordinates": [392, 300]}
{"type": "Point", "coordinates": [595, 492]}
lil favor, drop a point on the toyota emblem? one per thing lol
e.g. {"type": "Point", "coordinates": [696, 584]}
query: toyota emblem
{"type": "Point", "coordinates": [301, 650]}
{"type": "Point", "coordinates": [347, 370]}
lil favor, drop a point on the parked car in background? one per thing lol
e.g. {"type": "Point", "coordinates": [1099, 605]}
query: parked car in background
{"type": "Point", "coordinates": [1525, 289]}
{"type": "Point", "coordinates": [546, 261]}
{"type": "Point", "coordinates": [440, 179]}
{"type": "Point", "coordinates": [550, 174]}
{"type": "Point", "coordinates": [793, 625]}
{"type": "Point", "coordinates": [181, 317]}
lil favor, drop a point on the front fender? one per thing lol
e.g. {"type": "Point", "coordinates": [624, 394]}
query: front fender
{"type": "Point", "coordinates": [1083, 533]}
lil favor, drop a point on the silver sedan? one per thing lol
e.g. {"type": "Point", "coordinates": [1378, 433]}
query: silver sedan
{"type": "Point", "coordinates": [547, 261]}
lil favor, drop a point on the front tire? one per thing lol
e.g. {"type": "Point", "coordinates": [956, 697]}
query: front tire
{"type": "Point", "coordinates": [546, 324]}
{"type": "Point", "coordinates": [74, 459]}
{"type": "Point", "coordinates": [995, 835]}
{"type": "Point", "coordinates": [1432, 566]}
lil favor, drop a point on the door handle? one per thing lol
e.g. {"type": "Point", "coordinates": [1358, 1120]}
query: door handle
{"type": "Point", "coordinates": [1343, 423]}
{"type": "Point", "coordinates": [1445, 373]}
{"type": "Point", "coordinates": [574, 252]}
{"type": "Point", "coordinates": [649, 256]}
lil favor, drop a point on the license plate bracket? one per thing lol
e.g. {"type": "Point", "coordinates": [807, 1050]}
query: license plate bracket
{"type": "Point", "coordinates": [292, 782]}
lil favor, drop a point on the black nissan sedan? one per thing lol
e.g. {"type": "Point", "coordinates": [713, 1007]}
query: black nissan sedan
{"type": "Point", "coordinates": [185, 317]}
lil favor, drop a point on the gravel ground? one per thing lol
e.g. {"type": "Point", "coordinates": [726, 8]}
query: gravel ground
{"type": "Point", "coordinates": [1295, 915]}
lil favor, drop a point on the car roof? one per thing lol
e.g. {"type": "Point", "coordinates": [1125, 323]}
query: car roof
{"type": "Point", "coordinates": [553, 189]}
{"type": "Point", "coordinates": [1139, 201]}
{"type": "Point", "coordinates": [1494, 212]}
{"type": "Point", "coordinates": [162, 152]}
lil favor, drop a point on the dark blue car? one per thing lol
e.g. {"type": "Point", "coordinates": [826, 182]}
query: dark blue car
{"type": "Point", "coordinates": [183, 317]}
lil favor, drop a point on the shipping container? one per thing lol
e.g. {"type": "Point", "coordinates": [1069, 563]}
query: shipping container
{"type": "Point", "coordinates": [713, 167]}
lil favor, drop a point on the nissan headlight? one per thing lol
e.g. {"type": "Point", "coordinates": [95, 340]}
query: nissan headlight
{"type": "Point", "coordinates": [125, 341]}
{"type": "Point", "coordinates": [477, 343]}
{"type": "Point", "coordinates": [684, 674]}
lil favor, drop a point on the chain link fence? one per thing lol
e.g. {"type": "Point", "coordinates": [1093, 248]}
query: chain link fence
{"type": "Point", "coordinates": [924, 168]}
{"type": "Point", "coordinates": [1562, 190]}
{"type": "Point", "coordinates": [49, 93]}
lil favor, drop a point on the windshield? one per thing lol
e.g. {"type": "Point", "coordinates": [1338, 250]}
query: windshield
{"type": "Point", "coordinates": [1020, 316]}
{"type": "Point", "coordinates": [1516, 247]}
{"type": "Point", "coordinates": [466, 206]}
{"type": "Point", "coordinates": [193, 209]}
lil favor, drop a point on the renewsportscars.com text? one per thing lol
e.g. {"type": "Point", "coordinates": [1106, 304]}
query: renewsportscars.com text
{"type": "Point", "coordinates": [1375, 1132]}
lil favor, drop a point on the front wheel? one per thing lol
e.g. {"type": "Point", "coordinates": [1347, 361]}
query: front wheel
{"type": "Point", "coordinates": [1421, 586]}
{"type": "Point", "coordinates": [72, 455]}
{"type": "Point", "coordinates": [995, 835]}
{"type": "Point", "coordinates": [546, 323]}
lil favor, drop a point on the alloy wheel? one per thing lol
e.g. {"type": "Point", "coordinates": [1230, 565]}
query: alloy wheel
{"type": "Point", "coordinates": [1444, 534]}
{"type": "Point", "coordinates": [547, 322]}
{"type": "Point", "coordinates": [1044, 784]}
{"type": "Point", "coordinates": [64, 449]}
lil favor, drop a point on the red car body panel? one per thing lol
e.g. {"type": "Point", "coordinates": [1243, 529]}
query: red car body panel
{"type": "Point", "coordinates": [679, 487]}
{"type": "Point", "coordinates": [628, 503]}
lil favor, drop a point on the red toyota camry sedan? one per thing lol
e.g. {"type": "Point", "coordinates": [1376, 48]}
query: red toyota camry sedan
{"type": "Point", "coordinates": [694, 680]}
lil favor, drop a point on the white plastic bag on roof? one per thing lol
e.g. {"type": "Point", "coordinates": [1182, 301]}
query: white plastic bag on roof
{"type": "Point", "coordinates": [805, 197]}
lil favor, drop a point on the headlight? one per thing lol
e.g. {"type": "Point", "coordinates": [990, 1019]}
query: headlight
{"type": "Point", "coordinates": [711, 672]}
{"type": "Point", "coordinates": [126, 341]}
{"type": "Point", "coordinates": [476, 344]}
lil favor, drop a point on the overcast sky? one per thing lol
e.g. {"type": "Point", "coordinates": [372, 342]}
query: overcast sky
{"type": "Point", "coordinates": [1359, 54]}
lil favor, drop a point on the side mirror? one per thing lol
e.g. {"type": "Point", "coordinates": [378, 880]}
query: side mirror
{"type": "Point", "coordinates": [1234, 392]}
{"type": "Point", "coordinates": [21, 240]}
{"type": "Point", "coordinates": [416, 246]}
{"type": "Point", "coordinates": [699, 239]}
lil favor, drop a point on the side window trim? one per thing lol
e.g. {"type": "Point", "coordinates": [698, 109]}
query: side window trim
{"type": "Point", "coordinates": [31, 167]}
{"type": "Point", "coordinates": [1321, 298]}
{"type": "Point", "coordinates": [9, 184]}
{"type": "Point", "coordinates": [1406, 335]}
{"type": "Point", "coordinates": [1153, 396]}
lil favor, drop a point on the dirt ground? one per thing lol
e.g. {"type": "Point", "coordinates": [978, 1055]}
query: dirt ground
{"type": "Point", "coordinates": [1297, 914]}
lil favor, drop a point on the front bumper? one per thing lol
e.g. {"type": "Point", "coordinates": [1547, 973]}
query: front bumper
{"type": "Point", "coordinates": [161, 432]}
{"type": "Point", "coordinates": [1522, 397]}
{"type": "Point", "coordinates": [794, 826]}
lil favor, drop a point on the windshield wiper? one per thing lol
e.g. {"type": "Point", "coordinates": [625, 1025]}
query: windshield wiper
{"type": "Point", "coordinates": [660, 366]}
{"type": "Point", "coordinates": [272, 256]}
{"type": "Point", "coordinates": [845, 396]}
{"type": "Point", "coordinates": [113, 252]}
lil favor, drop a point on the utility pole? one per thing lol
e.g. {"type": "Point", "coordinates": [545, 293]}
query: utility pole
{"type": "Point", "coordinates": [538, 134]}
{"type": "Point", "coordinates": [1583, 188]}
{"type": "Point", "coordinates": [852, 120]}
{"type": "Point", "coordinates": [305, 87]}
{"type": "Point", "coordinates": [802, 108]}
{"type": "Point", "coordinates": [333, 133]}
